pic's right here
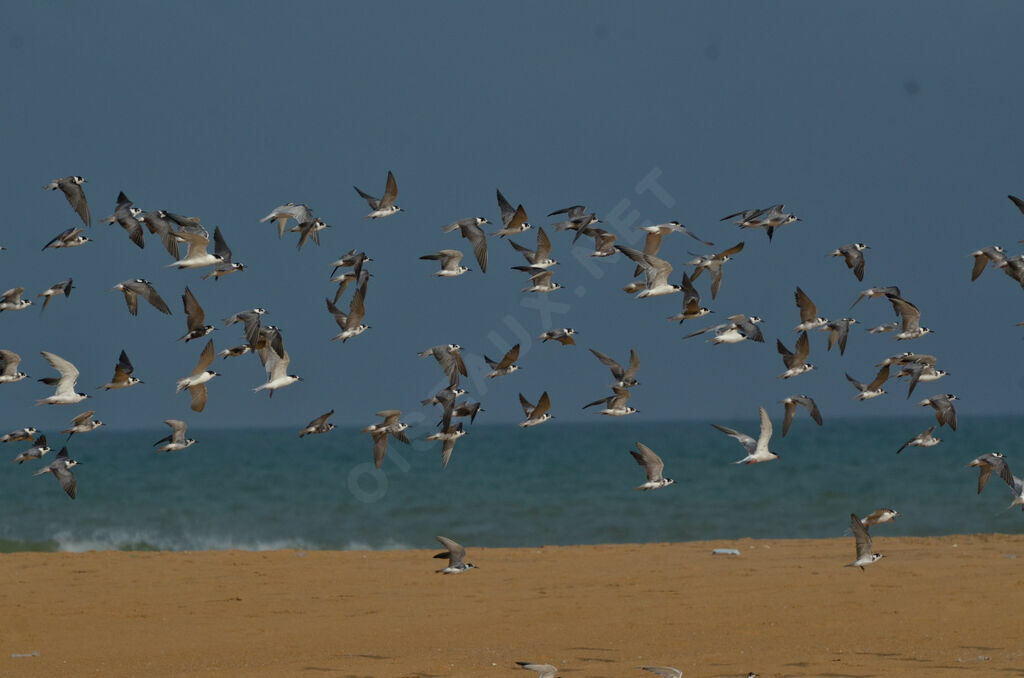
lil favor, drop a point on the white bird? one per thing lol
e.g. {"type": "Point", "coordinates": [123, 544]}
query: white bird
{"type": "Point", "coordinates": [309, 229]}
{"type": "Point", "coordinates": [176, 440]}
{"type": "Point", "coordinates": [196, 381]}
{"type": "Point", "coordinates": [924, 439]}
{"type": "Point", "coordinates": [563, 335]}
{"type": "Point", "coordinates": [65, 392]}
{"type": "Point", "coordinates": [864, 554]}
{"type": "Point", "coordinates": [653, 467]}
{"type": "Point", "coordinates": [196, 255]}
{"type": "Point", "coordinates": [757, 450]}
{"type": "Point", "coordinates": [882, 515]}
{"type": "Point", "coordinates": [385, 205]}
{"type": "Point", "coordinates": [657, 272]}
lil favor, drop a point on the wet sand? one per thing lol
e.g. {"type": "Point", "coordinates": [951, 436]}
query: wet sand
{"type": "Point", "coordinates": [944, 606]}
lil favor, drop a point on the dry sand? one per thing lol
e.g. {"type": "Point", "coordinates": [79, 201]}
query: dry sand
{"type": "Point", "coordinates": [948, 606]}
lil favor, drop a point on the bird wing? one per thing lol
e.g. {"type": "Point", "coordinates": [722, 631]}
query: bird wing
{"type": "Point", "coordinates": [790, 412]}
{"type": "Point", "coordinates": [220, 246]}
{"type": "Point", "coordinates": [908, 313]}
{"type": "Point", "coordinates": [390, 192]}
{"type": "Point", "coordinates": [506, 209]}
{"type": "Point", "coordinates": [860, 533]}
{"type": "Point", "coordinates": [456, 552]}
{"type": "Point", "coordinates": [478, 239]}
{"type": "Point", "coordinates": [147, 292]}
{"type": "Point", "coordinates": [82, 418]}
{"type": "Point", "coordinates": [651, 462]}
{"type": "Point", "coordinates": [526, 405]}
{"type": "Point", "coordinates": [198, 393]}
{"type": "Point", "coordinates": [748, 443]}
{"type": "Point", "coordinates": [614, 366]}
{"type": "Point", "coordinates": [193, 311]}
{"type": "Point", "coordinates": [880, 378]}
{"type": "Point", "coordinates": [205, 359]}
{"type": "Point", "coordinates": [68, 373]}
{"type": "Point", "coordinates": [808, 310]}
{"type": "Point", "coordinates": [372, 201]}
{"type": "Point", "coordinates": [766, 430]}
{"type": "Point", "coordinates": [380, 446]}
{"type": "Point", "coordinates": [543, 245]}
{"type": "Point", "coordinates": [802, 350]}
{"type": "Point", "coordinates": [76, 198]}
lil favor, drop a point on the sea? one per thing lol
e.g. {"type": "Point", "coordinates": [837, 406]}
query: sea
{"type": "Point", "coordinates": [553, 484]}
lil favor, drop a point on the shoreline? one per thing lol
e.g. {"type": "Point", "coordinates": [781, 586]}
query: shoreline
{"type": "Point", "coordinates": [782, 607]}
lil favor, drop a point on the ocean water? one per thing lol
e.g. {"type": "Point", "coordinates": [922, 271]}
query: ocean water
{"type": "Point", "coordinates": [505, 486]}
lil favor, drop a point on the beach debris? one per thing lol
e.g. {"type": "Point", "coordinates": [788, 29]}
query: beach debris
{"type": "Point", "coordinates": [664, 671]}
{"type": "Point", "coordinates": [35, 653]}
{"type": "Point", "coordinates": [725, 552]}
{"type": "Point", "coordinates": [543, 670]}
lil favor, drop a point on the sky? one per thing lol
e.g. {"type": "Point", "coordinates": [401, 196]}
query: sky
{"type": "Point", "coordinates": [895, 126]}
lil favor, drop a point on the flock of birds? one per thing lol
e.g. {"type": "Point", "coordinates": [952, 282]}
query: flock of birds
{"type": "Point", "coordinates": [267, 343]}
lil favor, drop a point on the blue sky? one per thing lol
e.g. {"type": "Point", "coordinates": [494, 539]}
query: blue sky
{"type": "Point", "coordinates": [897, 126]}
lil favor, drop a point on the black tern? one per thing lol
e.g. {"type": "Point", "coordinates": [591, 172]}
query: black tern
{"type": "Point", "coordinates": [838, 332]}
{"type": "Point", "coordinates": [448, 435]}
{"type": "Point", "coordinates": [540, 279]}
{"type": "Point", "coordinates": [562, 335]}
{"type": "Point", "coordinates": [234, 351]}
{"type": "Point", "coordinates": [9, 361]}
{"type": "Point", "coordinates": [880, 516]}
{"type": "Point", "coordinates": [504, 366]}
{"type": "Point", "coordinates": [604, 242]}
{"type": "Point", "coordinates": [379, 432]}
{"type": "Point", "coordinates": [512, 220]}
{"type": "Point", "coordinates": [664, 671]}
{"type": "Point", "coordinates": [61, 470]}
{"type": "Point", "coordinates": [945, 413]}
{"type": "Point", "coordinates": [625, 378]}
{"type": "Point", "coordinates": [757, 450]}
{"type": "Point", "coordinates": [71, 237]}
{"type": "Point", "coordinates": [350, 323]}
{"type": "Point", "coordinates": [122, 374]}
{"type": "Point", "coordinates": [910, 317]}
{"type": "Point", "coordinates": [307, 230]}
{"type": "Point", "coordinates": [809, 319]}
{"type": "Point", "coordinates": [385, 205]}
{"type": "Point", "coordinates": [539, 258]}
{"type": "Point", "coordinates": [884, 327]}
{"type": "Point", "coordinates": [318, 425]}
{"type": "Point", "coordinates": [251, 322]}
{"type": "Point", "coordinates": [37, 451]}
{"type": "Point", "coordinates": [194, 318]}
{"type": "Point", "coordinates": [989, 462]}
{"type": "Point", "coordinates": [713, 264]}
{"type": "Point", "coordinates": [614, 405]}
{"type": "Point", "coordinates": [863, 539]}
{"type": "Point", "coordinates": [83, 423]}
{"type": "Point", "coordinates": [791, 403]}
{"type": "Point", "coordinates": [159, 223]}
{"type": "Point", "coordinates": [577, 220]}
{"type": "Point", "coordinates": [455, 554]}
{"type": "Point", "coordinates": [65, 392]}
{"type": "Point", "coordinates": [126, 216]}
{"type": "Point", "coordinates": [920, 372]}
{"type": "Point", "coordinates": [874, 292]}
{"type": "Point", "coordinates": [872, 390]}
{"type": "Point", "coordinates": [71, 187]}
{"type": "Point", "coordinates": [925, 439]}
{"type": "Point", "coordinates": [691, 302]}
{"type": "Point", "coordinates": [225, 266]}
{"type": "Point", "coordinates": [796, 361]}
{"type": "Point", "coordinates": [739, 328]}
{"type": "Point", "coordinates": [281, 214]}
{"type": "Point", "coordinates": [992, 253]}
{"type": "Point", "coordinates": [351, 259]}
{"type": "Point", "coordinates": [63, 287]}
{"type": "Point", "coordinates": [653, 467]}
{"type": "Point", "coordinates": [543, 670]}
{"type": "Point", "coordinates": [535, 414]}
{"type": "Point", "coordinates": [471, 231]}
{"type": "Point", "coordinates": [176, 440]}
{"type": "Point", "coordinates": [853, 254]}
{"type": "Point", "coordinates": [11, 300]}
{"type": "Point", "coordinates": [196, 381]}
{"type": "Point", "coordinates": [449, 357]}
{"type": "Point", "coordinates": [18, 435]}
{"type": "Point", "coordinates": [133, 289]}
{"type": "Point", "coordinates": [450, 263]}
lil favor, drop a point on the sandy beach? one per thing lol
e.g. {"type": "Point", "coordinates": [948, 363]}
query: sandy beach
{"type": "Point", "coordinates": [932, 607]}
